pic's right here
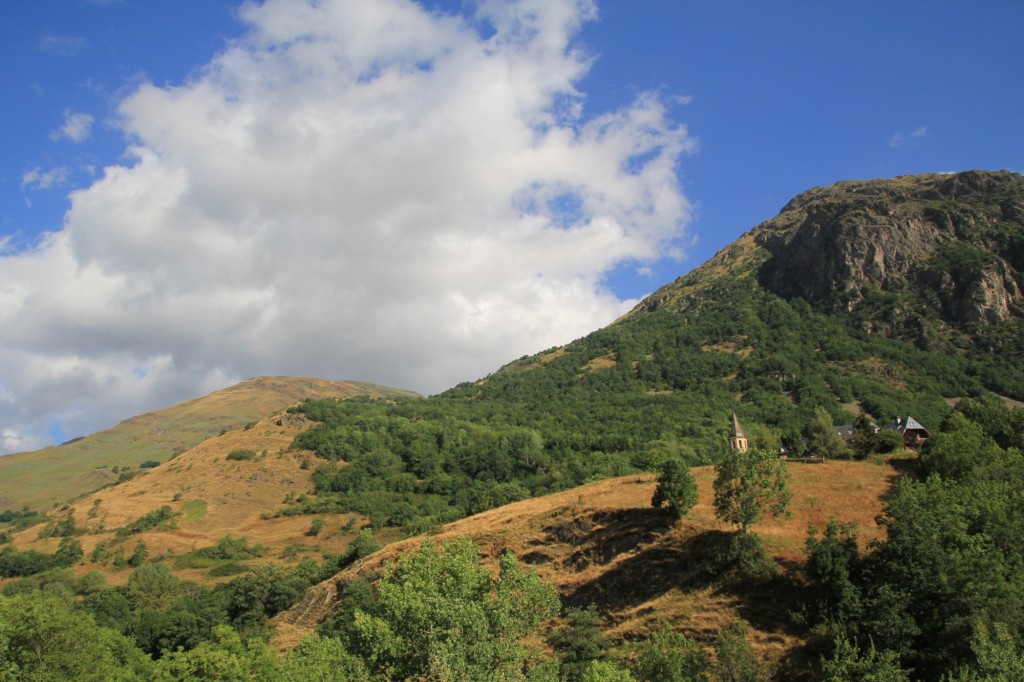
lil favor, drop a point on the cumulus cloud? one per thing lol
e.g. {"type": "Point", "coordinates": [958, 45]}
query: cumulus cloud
{"type": "Point", "coordinates": [357, 189]}
{"type": "Point", "coordinates": [77, 127]}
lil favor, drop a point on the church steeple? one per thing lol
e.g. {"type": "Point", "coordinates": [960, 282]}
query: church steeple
{"type": "Point", "coordinates": [737, 439]}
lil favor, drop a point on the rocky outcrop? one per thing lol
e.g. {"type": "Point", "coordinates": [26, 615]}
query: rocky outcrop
{"type": "Point", "coordinates": [949, 245]}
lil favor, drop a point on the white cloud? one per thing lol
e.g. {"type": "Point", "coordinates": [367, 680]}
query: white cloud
{"type": "Point", "coordinates": [62, 46]}
{"type": "Point", "coordinates": [37, 178]}
{"type": "Point", "coordinates": [920, 132]}
{"type": "Point", "coordinates": [356, 189]}
{"type": "Point", "coordinates": [77, 127]}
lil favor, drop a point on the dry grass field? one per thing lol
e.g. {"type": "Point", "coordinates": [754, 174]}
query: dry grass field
{"type": "Point", "coordinates": [603, 543]}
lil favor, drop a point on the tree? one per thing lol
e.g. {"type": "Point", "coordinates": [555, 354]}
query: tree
{"type": "Point", "coordinates": [850, 664]}
{"type": "Point", "coordinates": [139, 554]}
{"type": "Point", "coordinates": [320, 658]}
{"type": "Point", "coordinates": [68, 553]}
{"type": "Point", "coordinates": [822, 438]}
{"type": "Point", "coordinates": [441, 615]}
{"type": "Point", "coordinates": [668, 656]}
{"type": "Point", "coordinates": [676, 486]}
{"type": "Point", "coordinates": [48, 639]}
{"type": "Point", "coordinates": [580, 643]}
{"type": "Point", "coordinates": [748, 484]}
{"type": "Point", "coordinates": [737, 661]}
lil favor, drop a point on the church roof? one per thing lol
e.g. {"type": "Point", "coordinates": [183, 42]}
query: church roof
{"type": "Point", "coordinates": [736, 431]}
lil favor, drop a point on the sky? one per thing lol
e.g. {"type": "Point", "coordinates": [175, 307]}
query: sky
{"type": "Point", "coordinates": [195, 192]}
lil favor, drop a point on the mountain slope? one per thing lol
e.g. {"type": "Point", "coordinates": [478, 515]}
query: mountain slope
{"type": "Point", "coordinates": [57, 474]}
{"type": "Point", "coordinates": [887, 296]}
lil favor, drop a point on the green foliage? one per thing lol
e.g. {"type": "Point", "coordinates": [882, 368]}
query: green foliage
{"type": "Point", "coordinates": [749, 484]}
{"type": "Point", "coordinates": [835, 573]}
{"type": "Point", "coordinates": [229, 548]}
{"type": "Point", "coordinates": [363, 546]}
{"type": "Point", "coordinates": [224, 658]}
{"type": "Point", "coordinates": [241, 455]}
{"type": "Point", "coordinates": [315, 527]}
{"type": "Point", "coordinates": [676, 487]}
{"type": "Point", "coordinates": [62, 528]}
{"type": "Point", "coordinates": [737, 661]}
{"type": "Point", "coordinates": [15, 563]}
{"type": "Point", "coordinates": [440, 614]}
{"type": "Point", "coordinates": [580, 643]}
{"type": "Point", "coordinates": [68, 553]}
{"type": "Point", "coordinates": [999, 655]}
{"type": "Point", "coordinates": [734, 559]}
{"type": "Point", "coordinates": [153, 586]}
{"type": "Point", "coordinates": [668, 656]}
{"type": "Point", "coordinates": [850, 664]}
{"type": "Point", "coordinates": [320, 658]}
{"type": "Point", "coordinates": [605, 671]}
{"type": "Point", "coordinates": [149, 521]}
{"type": "Point", "coordinates": [822, 439]}
{"type": "Point", "coordinates": [48, 639]}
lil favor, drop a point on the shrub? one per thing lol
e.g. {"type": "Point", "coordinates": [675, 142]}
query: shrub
{"type": "Point", "coordinates": [240, 455]}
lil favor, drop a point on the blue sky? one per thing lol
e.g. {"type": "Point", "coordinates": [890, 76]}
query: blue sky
{"type": "Point", "coordinates": [192, 193]}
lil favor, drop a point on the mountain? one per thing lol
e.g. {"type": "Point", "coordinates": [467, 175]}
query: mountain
{"type": "Point", "coordinates": [57, 474]}
{"type": "Point", "coordinates": [884, 296]}
{"type": "Point", "coordinates": [919, 258]}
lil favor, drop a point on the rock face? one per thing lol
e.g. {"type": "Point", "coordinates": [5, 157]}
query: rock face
{"type": "Point", "coordinates": [950, 246]}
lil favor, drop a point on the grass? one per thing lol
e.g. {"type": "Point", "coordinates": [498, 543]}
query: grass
{"type": "Point", "coordinates": [193, 510]}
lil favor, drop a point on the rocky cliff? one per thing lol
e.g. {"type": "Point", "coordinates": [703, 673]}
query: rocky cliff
{"type": "Point", "coordinates": [945, 246]}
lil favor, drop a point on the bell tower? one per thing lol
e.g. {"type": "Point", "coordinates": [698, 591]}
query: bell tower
{"type": "Point", "coordinates": [737, 439]}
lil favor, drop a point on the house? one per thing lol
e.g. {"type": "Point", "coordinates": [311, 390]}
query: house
{"type": "Point", "coordinates": [912, 431]}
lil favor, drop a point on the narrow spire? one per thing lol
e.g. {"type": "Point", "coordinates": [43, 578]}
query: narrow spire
{"type": "Point", "coordinates": [737, 439]}
{"type": "Point", "coordinates": [737, 431]}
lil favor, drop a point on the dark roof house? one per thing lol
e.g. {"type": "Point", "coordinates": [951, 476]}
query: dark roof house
{"type": "Point", "coordinates": [913, 431]}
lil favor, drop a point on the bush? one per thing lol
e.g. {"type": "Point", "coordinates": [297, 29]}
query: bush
{"type": "Point", "coordinates": [241, 455]}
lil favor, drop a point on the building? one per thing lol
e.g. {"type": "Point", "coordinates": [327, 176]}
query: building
{"type": "Point", "coordinates": [912, 431]}
{"type": "Point", "coordinates": [737, 439]}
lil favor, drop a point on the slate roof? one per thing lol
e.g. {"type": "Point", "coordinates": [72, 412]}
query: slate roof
{"type": "Point", "coordinates": [737, 431]}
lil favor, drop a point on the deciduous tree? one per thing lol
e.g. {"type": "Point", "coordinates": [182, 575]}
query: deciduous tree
{"type": "Point", "coordinates": [750, 484]}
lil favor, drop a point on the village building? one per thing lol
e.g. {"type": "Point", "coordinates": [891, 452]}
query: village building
{"type": "Point", "coordinates": [912, 431]}
{"type": "Point", "coordinates": [737, 439]}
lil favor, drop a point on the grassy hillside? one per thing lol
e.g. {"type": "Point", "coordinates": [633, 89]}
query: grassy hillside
{"type": "Point", "coordinates": [604, 544]}
{"type": "Point", "coordinates": [209, 496]}
{"type": "Point", "coordinates": [54, 475]}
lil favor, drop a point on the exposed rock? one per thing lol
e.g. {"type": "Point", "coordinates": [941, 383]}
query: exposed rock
{"type": "Point", "coordinates": [949, 245]}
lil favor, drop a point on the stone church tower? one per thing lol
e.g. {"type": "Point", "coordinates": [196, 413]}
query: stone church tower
{"type": "Point", "coordinates": [737, 439]}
